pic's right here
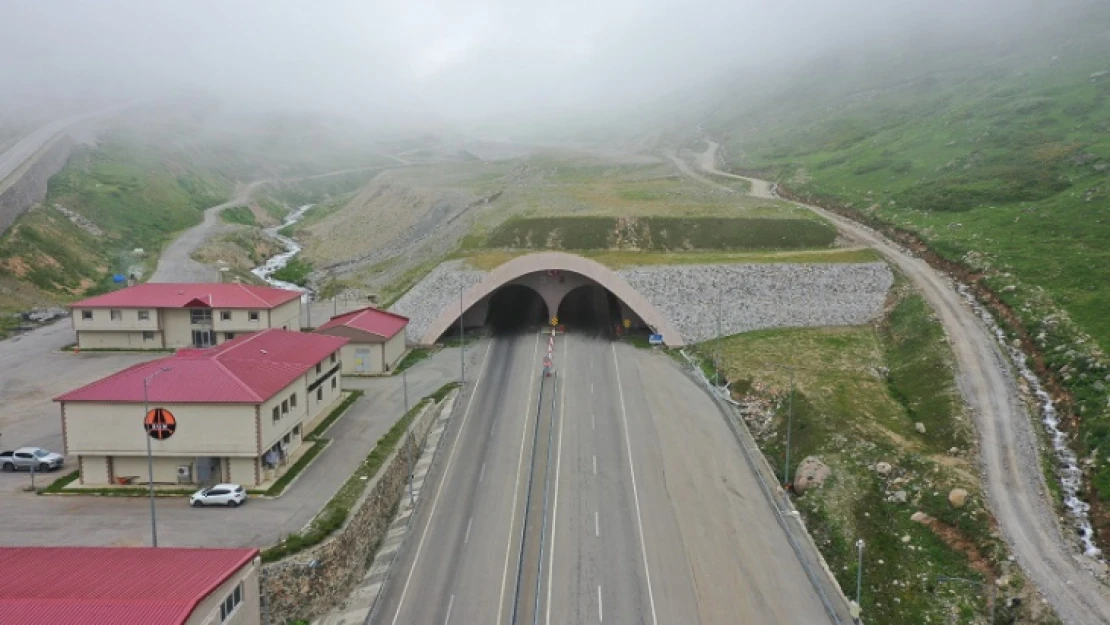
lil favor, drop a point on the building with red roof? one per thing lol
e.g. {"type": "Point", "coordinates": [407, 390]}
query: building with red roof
{"type": "Point", "coordinates": [171, 315]}
{"type": "Point", "coordinates": [239, 410]}
{"type": "Point", "coordinates": [377, 339]}
{"type": "Point", "coordinates": [130, 586]}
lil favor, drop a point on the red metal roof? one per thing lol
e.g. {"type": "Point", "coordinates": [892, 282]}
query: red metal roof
{"type": "Point", "coordinates": [246, 370]}
{"type": "Point", "coordinates": [182, 295]}
{"type": "Point", "coordinates": [112, 585]}
{"type": "Point", "coordinates": [369, 319]}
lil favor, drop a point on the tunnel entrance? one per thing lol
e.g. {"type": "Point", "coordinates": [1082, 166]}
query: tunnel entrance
{"type": "Point", "coordinates": [515, 308]}
{"type": "Point", "coordinates": [590, 309]}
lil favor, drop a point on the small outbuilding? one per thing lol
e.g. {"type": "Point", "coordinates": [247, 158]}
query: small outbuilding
{"type": "Point", "coordinates": [130, 586]}
{"type": "Point", "coordinates": [377, 339]}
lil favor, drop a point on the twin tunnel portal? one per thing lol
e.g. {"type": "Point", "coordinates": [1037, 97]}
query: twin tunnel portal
{"type": "Point", "coordinates": [553, 289]}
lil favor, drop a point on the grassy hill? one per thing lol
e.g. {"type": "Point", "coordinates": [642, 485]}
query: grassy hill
{"type": "Point", "coordinates": [994, 154]}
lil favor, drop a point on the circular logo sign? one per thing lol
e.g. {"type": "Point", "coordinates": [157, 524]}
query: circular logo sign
{"type": "Point", "coordinates": [159, 424]}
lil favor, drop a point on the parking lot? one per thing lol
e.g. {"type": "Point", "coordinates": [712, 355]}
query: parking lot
{"type": "Point", "coordinates": [34, 373]}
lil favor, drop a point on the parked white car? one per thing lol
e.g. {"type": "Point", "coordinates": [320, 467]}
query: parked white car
{"type": "Point", "coordinates": [229, 495]}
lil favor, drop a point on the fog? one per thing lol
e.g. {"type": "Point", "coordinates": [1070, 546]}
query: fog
{"type": "Point", "coordinates": [453, 60]}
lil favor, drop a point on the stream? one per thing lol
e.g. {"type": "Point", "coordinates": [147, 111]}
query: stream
{"type": "Point", "coordinates": [292, 248]}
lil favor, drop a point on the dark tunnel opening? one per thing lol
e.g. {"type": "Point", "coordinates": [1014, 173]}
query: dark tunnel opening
{"type": "Point", "coordinates": [515, 308]}
{"type": "Point", "coordinates": [590, 309]}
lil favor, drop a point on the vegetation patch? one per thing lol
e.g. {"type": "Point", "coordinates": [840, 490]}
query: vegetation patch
{"type": "Point", "coordinates": [297, 271]}
{"type": "Point", "coordinates": [859, 396]}
{"type": "Point", "coordinates": [316, 445]}
{"type": "Point", "coordinates": [239, 215]}
{"type": "Point", "coordinates": [661, 233]}
{"type": "Point", "coordinates": [336, 511]}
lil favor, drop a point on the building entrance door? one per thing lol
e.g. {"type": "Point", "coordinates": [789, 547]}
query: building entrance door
{"type": "Point", "coordinates": [362, 360]}
{"type": "Point", "coordinates": [208, 471]}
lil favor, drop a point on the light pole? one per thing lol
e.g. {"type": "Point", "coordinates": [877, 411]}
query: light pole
{"type": "Point", "coordinates": [462, 341]}
{"type": "Point", "coordinates": [789, 415]}
{"type": "Point", "coordinates": [941, 579]}
{"type": "Point", "coordinates": [859, 574]}
{"type": "Point", "coordinates": [149, 457]}
{"type": "Point", "coordinates": [409, 443]}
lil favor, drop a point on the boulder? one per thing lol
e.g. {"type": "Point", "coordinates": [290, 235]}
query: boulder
{"type": "Point", "coordinates": [919, 517]}
{"type": "Point", "coordinates": [920, 427]}
{"type": "Point", "coordinates": [957, 497]}
{"type": "Point", "coordinates": [811, 473]}
{"type": "Point", "coordinates": [883, 468]}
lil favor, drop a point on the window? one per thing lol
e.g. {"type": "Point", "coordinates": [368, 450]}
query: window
{"type": "Point", "coordinates": [297, 431]}
{"type": "Point", "coordinates": [234, 598]}
{"type": "Point", "coordinates": [320, 394]}
{"type": "Point", "coordinates": [285, 407]}
{"type": "Point", "coordinates": [86, 315]}
{"type": "Point", "coordinates": [115, 315]}
{"type": "Point", "coordinates": [277, 414]}
{"type": "Point", "coordinates": [204, 338]}
{"type": "Point", "coordinates": [287, 438]}
{"type": "Point", "coordinates": [293, 400]}
{"type": "Point", "coordinates": [333, 358]}
{"type": "Point", "coordinates": [148, 336]}
{"type": "Point", "coordinates": [144, 315]}
{"type": "Point", "coordinates": [318, 368]}
{"type": "Point", "coordinates": [225, 315]}
{"type": "Point", "coordinates": [333, 381]}
{"type": "Point", "coordinates": [253, 315]}
{"type": "Point", "coordinates": [228, 336]}
{"type": "Point", "coordinates": [200, 315]}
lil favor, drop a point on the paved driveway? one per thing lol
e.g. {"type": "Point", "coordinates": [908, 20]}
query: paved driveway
{"type": "Point", "coordinates": [28, 519]}
{"type": "Point", "coordinates": [32, 372]}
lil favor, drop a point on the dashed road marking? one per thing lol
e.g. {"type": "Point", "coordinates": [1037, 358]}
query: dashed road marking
{"type": "Point", "coordinates": [482, 474]}
{"type": "Point", "coordinates": [450, 604]}
{"type": "Point", "coordinates": [597, 524]}
{"type": "Point", "coordinates": [595, 465]}
{"type": "Point", "coordinates": [466, 539]}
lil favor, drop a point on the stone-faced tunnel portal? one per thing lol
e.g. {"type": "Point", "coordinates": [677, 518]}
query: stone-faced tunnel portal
{"type": "Point", "coordinates": [528, 291]}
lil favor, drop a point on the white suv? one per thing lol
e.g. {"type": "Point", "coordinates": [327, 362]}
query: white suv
{"type": "Point", "coordinates": [229, 495]}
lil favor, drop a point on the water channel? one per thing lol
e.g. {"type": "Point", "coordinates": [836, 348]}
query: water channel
{"type": "Point", "coordinates": [266, 270]}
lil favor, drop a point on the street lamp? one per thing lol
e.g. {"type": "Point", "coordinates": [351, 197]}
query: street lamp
{"type": "Point", "coordinates": [149, 457]}
{"type": "Point", "coordinates": [859, 575]}
{"type": "Point", "coordinates": [963, 580]}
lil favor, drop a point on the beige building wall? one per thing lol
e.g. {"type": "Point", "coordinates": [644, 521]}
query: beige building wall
{"type": "Point", "coordinates": [362, 358]}
{"type": "Point", "coordinates": [120, 339]}
{"type": "Point", "coordinates": [94, 470]}
{"type": "Point", "coordinates": [394, 348]}
{"type": "Point", "coordinates": [287, 316]}
{"type": "Point", "coordinates": [128, 319]}
{"type": "Point", "coordinates": [165, 468]}
{"type": "Point", "coordinates": [243, 471]}
{"type": "Point", "coordinates": [100, 428]}
{"type": "Point", "coordinates": [249, 610]}
{"type": "Point", "coordinates": [176, 327]}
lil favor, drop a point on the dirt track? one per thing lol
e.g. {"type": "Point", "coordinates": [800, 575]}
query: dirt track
{"type": "Point", "coordinates": [1008, 450]}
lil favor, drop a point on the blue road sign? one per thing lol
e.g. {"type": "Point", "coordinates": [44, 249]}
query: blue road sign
{"type": "Point", "coordinates": [655, 339]}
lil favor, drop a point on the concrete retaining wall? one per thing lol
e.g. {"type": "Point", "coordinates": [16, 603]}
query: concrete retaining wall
{"type": "Point", "coordinates": [29, 188]}
{"type": "Point", "coordinates": [294, 589]}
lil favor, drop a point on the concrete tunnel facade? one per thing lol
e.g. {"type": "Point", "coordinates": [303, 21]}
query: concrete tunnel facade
{"type": "Point", "coordinates": [535, 271]}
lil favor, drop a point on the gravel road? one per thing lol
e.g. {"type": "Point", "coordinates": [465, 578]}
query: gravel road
{"type": "Point", "coordinates": [1009, 455]}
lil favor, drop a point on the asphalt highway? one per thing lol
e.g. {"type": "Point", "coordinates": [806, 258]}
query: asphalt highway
{"type": "Point", "coordinates": [643, 512]}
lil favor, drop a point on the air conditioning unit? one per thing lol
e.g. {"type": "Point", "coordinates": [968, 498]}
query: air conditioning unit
{"type": "Point", "coordinates": [184, 474]}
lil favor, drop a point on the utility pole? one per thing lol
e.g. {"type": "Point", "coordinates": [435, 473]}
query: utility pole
{"type": "Point", "coordinates": [789, 415]}
{"type": "Point", "coordinates": [149, 457]}
{"type": "Point", "coordinates": [717, 358]}
{"type": "Point", "coordinates": [859, 573]}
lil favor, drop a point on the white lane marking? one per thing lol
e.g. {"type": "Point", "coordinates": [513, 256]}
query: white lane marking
{"type": "Point", "coordinates": [635, 491]}
{"type": "Point", "coordinates": [450, 604]}
{"type": "Point", "coordinates": [516, 485]}
{"type": "Point", "coordinates": [595, 465]}
{"type": "Point", "coordinates": [597, 524]}
{"type": "Point", "coordinates": [491, 428]}
{"type": "Point", "coordinates": [482, 475]}
{"type": "Point", "coordinates": [591, 388]}
{"type": "Point", "coordinates": [593, 421]}
{"type": "Point", "coordinates": [439, 490]}
{"type": "Point", "coordinates": [558, 464]}
{"type": "Point", "coordinates": [600, 618]}
{"type": "Point", "coordinates": [468, 523]}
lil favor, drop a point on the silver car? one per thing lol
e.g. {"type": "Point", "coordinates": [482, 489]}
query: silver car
{"type": "Point", "coordinates": [26, 458]}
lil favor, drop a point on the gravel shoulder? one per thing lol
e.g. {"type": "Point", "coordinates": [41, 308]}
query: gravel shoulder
{"type": "Point", "coordinates": [1008, 445]}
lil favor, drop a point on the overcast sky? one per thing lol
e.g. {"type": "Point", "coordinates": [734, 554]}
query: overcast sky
{"type": "Point", "coordinates": [457, 59]}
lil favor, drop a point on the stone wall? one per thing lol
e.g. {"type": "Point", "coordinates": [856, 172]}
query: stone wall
{"type": "Point", "coordinates": [751, 296]}
{"type": "Point", "coordinates": [313, 581]}
{"type": "Point", "coordinates": [31, 186]}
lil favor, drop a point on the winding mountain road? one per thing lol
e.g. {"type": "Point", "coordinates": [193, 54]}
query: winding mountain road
{"type": "Point", "coordinates": [1014, 483]}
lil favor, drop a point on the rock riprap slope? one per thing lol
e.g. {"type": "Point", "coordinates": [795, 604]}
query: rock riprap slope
{"type": "Point", "coordinates": [743, 297]}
